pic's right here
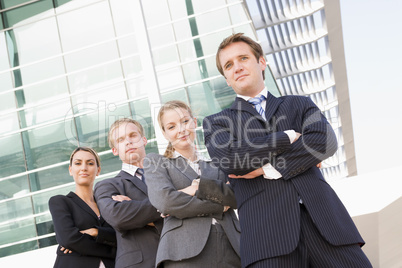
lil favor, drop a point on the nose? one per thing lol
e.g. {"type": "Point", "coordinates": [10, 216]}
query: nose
{"type": "Point", "coordinates": [128, 140]}
{"type": "Point", "coordinates": [238, 67]}
{"type": "Point", "coordinates": [84, 166]}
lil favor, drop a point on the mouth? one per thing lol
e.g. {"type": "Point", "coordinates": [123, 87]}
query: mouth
{"type": "Point", "coordinates": [241, 77]}
{"type": "Point", "coordinates": [131, 150]}
{"type": "Point", "coordinates": [84, 175]}
{"type": "Point", "coordinates": [183, 138]}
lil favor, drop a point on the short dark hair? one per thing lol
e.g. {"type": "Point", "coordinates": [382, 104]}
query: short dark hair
{"type": "Point", "coordinates": [239, 37]}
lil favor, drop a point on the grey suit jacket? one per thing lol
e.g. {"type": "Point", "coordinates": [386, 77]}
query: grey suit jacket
{"type": "Point", "coordinates": [137, 242]}
{"type": "Point", "coordinates": [186, 230]}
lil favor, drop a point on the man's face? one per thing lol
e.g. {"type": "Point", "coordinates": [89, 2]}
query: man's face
{"type": "Point", "coordinates": [129, 145]}
{"type": "Point", "coordinates": [243, 72]}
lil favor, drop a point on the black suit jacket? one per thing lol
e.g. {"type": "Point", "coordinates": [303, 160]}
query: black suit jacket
{"type": "Point", "coordinates": [239, 140]}
{"type": "Point", "coordinates": [137, 242]}
{"type": "Point", "coordinates": [71, 214]}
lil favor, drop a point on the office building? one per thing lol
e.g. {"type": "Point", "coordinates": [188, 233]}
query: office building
{"type": "Point", "coordinates": [68, 69]}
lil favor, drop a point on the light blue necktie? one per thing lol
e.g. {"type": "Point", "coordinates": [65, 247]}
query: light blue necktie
{"type": "Point", "coordinates": [257, 105]}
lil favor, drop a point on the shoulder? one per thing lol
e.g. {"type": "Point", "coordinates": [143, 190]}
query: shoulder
{"type": "Point", "coordinates": [295, 99]}
{"type": "Point", "coordinates": [153, 160]}
{"type": "Point", "coordinates": [56, 198]}
{"type": "Point", "coordinates": [154, 156]}
{"type": "Point", "coordinates": [109, 181]}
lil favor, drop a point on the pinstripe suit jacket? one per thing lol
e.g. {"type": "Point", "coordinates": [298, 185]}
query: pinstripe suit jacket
{"type": "Point", "coordinates": [186, 231]}
{"type": "Point", "coordinates": [240, 141]}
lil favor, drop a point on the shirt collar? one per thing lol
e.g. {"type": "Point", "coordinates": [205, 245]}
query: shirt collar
{"type": "Point", "coordinates": [199, 157]}
{"type": "Point", "coordinates": [130, 169]}
{"type": "Point", "coordinates": [264, 92]}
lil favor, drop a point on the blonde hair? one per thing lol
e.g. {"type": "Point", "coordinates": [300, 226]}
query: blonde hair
{"type": "Point", "coordinates": [86, 149]}
{"type": "Point", "coordinates": [120, 122]}
{"type": "Point", "coordinates": [171, 105]}
{"type": "Point", "coordinates": [240, 37]}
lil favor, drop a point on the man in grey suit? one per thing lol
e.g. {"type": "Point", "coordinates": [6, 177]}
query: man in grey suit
{"type": "Point", "coordinates": [289, 215]}
{"type": "Point", "coordinates": [123, 200]}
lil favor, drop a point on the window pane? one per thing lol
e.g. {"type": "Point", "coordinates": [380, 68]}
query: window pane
{"type": "Point", "coordinates": [11, 156]}
{"type": "Point", "coordinates": [97, 100]}
{"type": "Point", "coordinates": [77, 29]}
{"type": "Point", "coordinates": [43, 113]}
{"type": "Point", "coordinates": [172, 77]}
{"type": "Point", "coordinates": [11, 230]}
{"type": "Point", "coordinates": [142, 113]}
{"type": "Point", "coordinates": [94, 78]}
{"type": "Point", "coordinates": [49, 144]}
{"type": "Point", "coordinates": [27, 13]}
{"type": "Point", "coordinates": [51, 177]}
{"type": "Point", "coordinates": [156, 12]}
{"type": "Point", "coordinates": [14, 187]}
{"type": "Point", "coordinates": [137, 88]}
{"type": "Point", "coordinates": [43, 70]}
{"type": "Point", "coordinates": [37, 41]}
{"type": "Point", "coordinates": [93, 128]}
{"type": "Point", "coordinates": [110, 163]}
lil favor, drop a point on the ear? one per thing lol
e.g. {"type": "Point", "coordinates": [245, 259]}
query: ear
{"type": "Point", "coordinates": [263, 63]}
{"type": "Point", "coordinates": [144, 140]}
{"type": "Point", "coordinates": [69, 170]}
{"type": "Point", "coordinates": [98, 172]}
{"type": "Point", "coordinates": [115, 152]}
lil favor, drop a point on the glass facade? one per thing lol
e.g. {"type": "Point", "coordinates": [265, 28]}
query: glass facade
{"type": "Point", "coordinates": [70, 68]}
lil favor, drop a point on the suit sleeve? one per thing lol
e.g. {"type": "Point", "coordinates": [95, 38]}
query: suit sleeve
{"type": "Point", "coordinates": [240, 155]}
{"type": "Point", "coordinates": [126, 215]}
{"type": "Point", "coordinates": [106, 235]}
{"type": "Point", "coordinates": [165, 197]}
{"type": "Point", "coordinates": [216, 191]}
{"type": "Point", "coordinates": [68, 234]}
{"type": "Point", "coordinates": [317, 143]}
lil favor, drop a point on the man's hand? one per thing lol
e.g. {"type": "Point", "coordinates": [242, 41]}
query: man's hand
{"type": "Point", "coordinates": [121, 198]}
{"type": "Point", "coordinates": [253, 174]}
{"type": "Point", "coordinates": [91, 231]}
{"type": "Point", "coordinates": [297, 136]}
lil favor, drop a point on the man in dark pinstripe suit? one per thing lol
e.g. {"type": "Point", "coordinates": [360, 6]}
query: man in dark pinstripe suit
{"type": "Point", "coordinates": [270, 147]}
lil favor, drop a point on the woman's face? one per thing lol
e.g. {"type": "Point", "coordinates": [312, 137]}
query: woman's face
{"type": "Point", "coordinates": [84, 168]}
{"type": "Point", "coordinates": [179, 128]}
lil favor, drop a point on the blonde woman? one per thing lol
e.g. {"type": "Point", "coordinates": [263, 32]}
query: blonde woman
{"type": "Point", "coordinates": [85, 239]}
{"type": "Point", "coordinates": [200, 228]}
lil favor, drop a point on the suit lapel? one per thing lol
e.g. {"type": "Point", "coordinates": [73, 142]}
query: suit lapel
{"type": "Point", "coordinates": [206, 171]}
{"type": "Point", "coordinates": [271, 105]}
{"type": "Point", "coordinates": [136, 181]}
{"type": "Point", "coordinates": [77, 200]}
{"type": "Point", "coordinates": [181, 164]}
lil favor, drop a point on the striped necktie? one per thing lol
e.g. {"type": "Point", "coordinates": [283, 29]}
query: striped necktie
{"type": "Point", "coordinates": [140, 174]}
{"type": "Point", "coordinates": [257, 105]}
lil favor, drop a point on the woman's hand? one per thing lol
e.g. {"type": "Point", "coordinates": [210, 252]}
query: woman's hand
{"type": "Point", "coordinates": [65, 250]}
{"type": "Point", "coordinates": [190, 190]}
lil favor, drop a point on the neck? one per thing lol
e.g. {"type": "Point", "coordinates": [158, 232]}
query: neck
{"type": "Point", "coordinates": [188, 153]}
{"type": "Point", "coordinates": [137, 164]}
{"type": "Point", "coordinates": [86, 193]}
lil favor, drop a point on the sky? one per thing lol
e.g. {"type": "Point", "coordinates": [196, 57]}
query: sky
{"type": "Point", "coordinates": [372, 32]}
